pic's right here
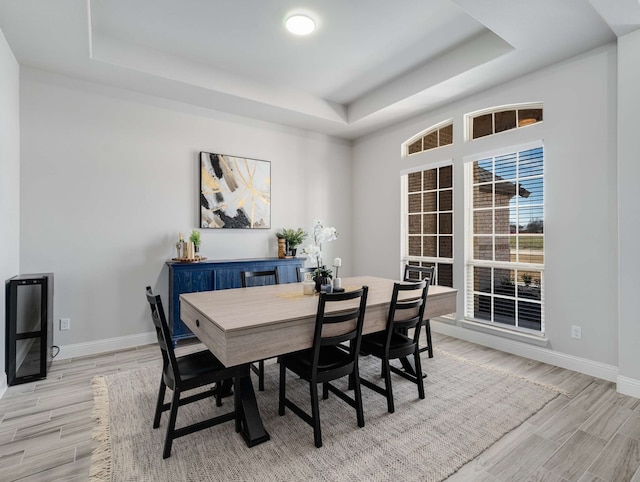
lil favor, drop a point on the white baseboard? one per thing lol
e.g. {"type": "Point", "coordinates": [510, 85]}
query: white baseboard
{"type": "Point", "coordinates": [102, 346]}
{"type": "Point", "coordinates": [628, 386]}
{"type": "Point", "coordinates": [541, 354]}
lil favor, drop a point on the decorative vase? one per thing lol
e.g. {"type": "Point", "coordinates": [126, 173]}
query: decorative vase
{"type": "Point", "coordinates": [189, 254]}
{"type": "Point", "coordinates": [282, 248]}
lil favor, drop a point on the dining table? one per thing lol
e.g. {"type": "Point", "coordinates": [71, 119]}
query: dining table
{"type": "Point", "coordinates": [243, 325]}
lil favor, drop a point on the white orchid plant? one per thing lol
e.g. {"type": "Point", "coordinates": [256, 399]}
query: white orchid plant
{"type": "Point", "coordinates": [320, 234]}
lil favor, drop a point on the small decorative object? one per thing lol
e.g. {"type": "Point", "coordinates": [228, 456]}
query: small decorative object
{"type": "Point", "coordinates": [321, 234]}
{"type": "Point", "coordinates": [187, 251]}
{"type": "Point", "coordinates": [337, 282]}
{"type": "Point", "coordinates": [180, 246]}
{"type": "Point", "coordinates": [293, 238]}
{"type": "Point", "coordinates": [326, 288]}
{"type": "Point", "coordinates": [282, 247]}
{"type": "Point", "coordinates": [189, 254]}
{"type": "Point", "coordinates": [195, 239]}
{"type": "Point", "coordinates": [308, 287]}
{"type": "Point", "coordinates": [235, 192]}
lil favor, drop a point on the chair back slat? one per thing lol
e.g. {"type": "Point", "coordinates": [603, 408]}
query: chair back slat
{"type": "Point", "coordinates": [353, 319]}
{"type": "Point", "coordinates": [259, 278]}
{"type": "Point", "coordinates": [301, 271]}
{"type": "Point", "coordinates": [341, 317]}
{"type": "Point", "coordinates": [170, 366]}
{"type": "Point", "coordinates": [417, 273]}
{"type": "Point", "coordinates": [337, 339]}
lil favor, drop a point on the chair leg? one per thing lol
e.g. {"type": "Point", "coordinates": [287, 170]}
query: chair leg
{"type": "Point", "coordinates": [419, 377]}
{"type": "Point", "coordinates": [237, 404]}
{"type": "Point", "coordinates": [161, 392]}
{"type": "Point", "coordinates": [427, 328]}
{"type": "Point", "coordinates": [281, 390]}
{"type": "Point", "coordinates": [261, 375]}
{"type": "Point", "coordinates": [218, 394]}
{"type": "Point", "coordinates": [387, 384]}
{"type": "Point", "coordinates": [315, 414]}
{"type": "Point", "coordinates": [325, 390]}
{"type": "Point", "coordinates": [357, 393]}
{"type": "Point", "coordinates": [173, 413]}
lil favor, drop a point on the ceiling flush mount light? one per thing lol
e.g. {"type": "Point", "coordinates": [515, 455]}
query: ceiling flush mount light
{"type": "Point", "coordinates": [300, 24]}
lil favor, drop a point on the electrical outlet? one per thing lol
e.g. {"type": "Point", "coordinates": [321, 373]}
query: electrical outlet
{"type": "Point", "coordinates": [65, 324]}
{"type": "Point", "coordinates": [576, 332]}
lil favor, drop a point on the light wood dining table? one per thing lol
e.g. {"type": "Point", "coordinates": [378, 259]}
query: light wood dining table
{"type": "Point", "coordinates": [248, 324]}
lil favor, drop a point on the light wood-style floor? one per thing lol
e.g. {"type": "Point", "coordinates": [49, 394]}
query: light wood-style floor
{"type": "Point", "coordinates": [45, 427]}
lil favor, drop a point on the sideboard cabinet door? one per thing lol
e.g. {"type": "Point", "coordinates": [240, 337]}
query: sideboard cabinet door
{"type": "Point", "coordinates": [185, 279]}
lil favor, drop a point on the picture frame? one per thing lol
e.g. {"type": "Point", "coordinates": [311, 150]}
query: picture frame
{"type": "Point", "coordinates": [235, 192]}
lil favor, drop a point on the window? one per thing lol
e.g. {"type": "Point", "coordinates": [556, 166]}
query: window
{"type": "Point", "coordinates": [428, 223]}
{"type": "Point", "coordinates": [495, 120]}
{"type": "Point", "coordinates": [438, 136]}
{"type": "Point", "coordinates": [505, 241]}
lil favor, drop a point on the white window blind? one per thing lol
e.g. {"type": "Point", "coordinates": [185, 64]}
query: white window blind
{"type": "Point", "coordinates": [505, 238]}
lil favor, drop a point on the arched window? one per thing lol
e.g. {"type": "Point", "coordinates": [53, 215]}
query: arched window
{"type": "Point", "coordinates": [499, 119]}
{"type": "Point", "coordinates": [435, 136]}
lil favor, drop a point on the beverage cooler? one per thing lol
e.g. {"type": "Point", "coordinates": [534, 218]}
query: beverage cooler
{"type": "Point", "coordinates": [29, 327]}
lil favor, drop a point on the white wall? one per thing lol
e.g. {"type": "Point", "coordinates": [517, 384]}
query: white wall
{"type": "Point", "coordinates": [579, 136]}
{"type": "Point", "coordinates": [109, 179]}
{"type": "Point", "coordinates": [9, 181]}
{"type": "Point", "coordinates": [629, 209]}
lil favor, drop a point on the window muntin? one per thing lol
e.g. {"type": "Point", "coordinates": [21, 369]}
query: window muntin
{"type": "Point", "coordinates": [496, 120]}
{"type": "Point", "coordinates": [505, 252]}
{"type": "Point", "coordinates": [438, 136]}
{"type": "Point", "coordinates": [428, 233]}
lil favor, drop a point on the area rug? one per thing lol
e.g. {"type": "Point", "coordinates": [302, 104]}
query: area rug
{"type": "Point", "coordinates": [467, 409]}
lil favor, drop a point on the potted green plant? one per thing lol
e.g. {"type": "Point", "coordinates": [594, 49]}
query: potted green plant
{"type": "Point", "coordinates": [293, 239]}
{"type": "Point", "coordinates": [322, 276]}
{"type": "Point", "coordinates": [196, 240]}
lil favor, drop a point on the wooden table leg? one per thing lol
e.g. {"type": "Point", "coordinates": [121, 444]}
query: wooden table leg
{"type": "Point", "coordinates": [408, 366]}
{"type": "Point", "coordinates": [252, 431]}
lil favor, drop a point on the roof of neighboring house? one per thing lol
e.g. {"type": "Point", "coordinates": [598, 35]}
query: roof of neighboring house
{"type": "Point", "coordinates": [506, 187]}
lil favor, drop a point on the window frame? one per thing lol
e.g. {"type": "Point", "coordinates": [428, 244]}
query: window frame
{"type": "Point", "coordinates": [405, 258]}
{"type": "Point", "coordinates": [469, 234]}
{"type": "Point", "coordinates": [429, 130]}
{"type": "Point", "coordinates": [469, 118]}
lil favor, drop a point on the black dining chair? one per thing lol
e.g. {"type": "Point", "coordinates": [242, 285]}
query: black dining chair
{"type": "Point", "coordinates": [300, 272]}
{"type": "Point", "coordinates": [394, 342]}
{"type": "Point", "coordinates": [326, 361]}
{"type": "Point", "coordinates": [259, 278]}
{"type": "Point", "coordinates": [413, 273]}
{"type": "Point", "coordinates": [187, 372]}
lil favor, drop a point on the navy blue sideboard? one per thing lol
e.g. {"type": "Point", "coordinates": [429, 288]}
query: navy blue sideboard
{"type": "Point", "coordinates": [217, 275]}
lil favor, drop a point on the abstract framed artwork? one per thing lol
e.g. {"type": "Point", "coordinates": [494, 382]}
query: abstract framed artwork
{"type": "Point", "coordinates": [235, 192]}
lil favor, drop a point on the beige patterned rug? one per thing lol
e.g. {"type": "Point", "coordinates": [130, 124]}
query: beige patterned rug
{"type": "Point", "coordinates": [466, 410]}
